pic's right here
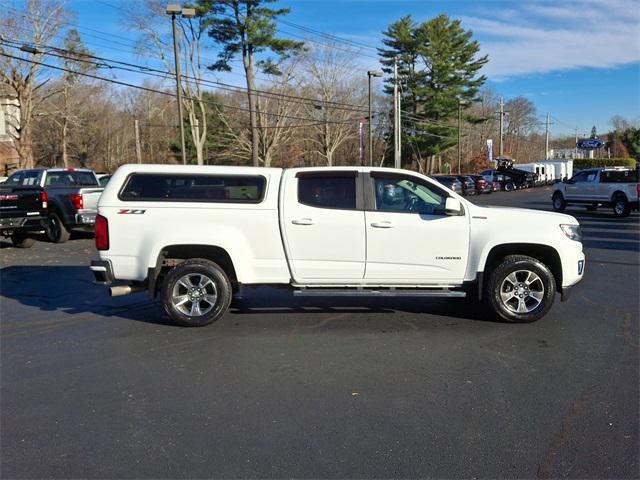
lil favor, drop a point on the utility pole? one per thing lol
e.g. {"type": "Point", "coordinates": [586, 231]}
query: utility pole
{"type": "Point", "coordinates": [361, 140]}
{"type": "Point", "coordinates": [501, 124]}
{"type": "Point", "coordinates": [459, 128]}
{"type": "Point", "coordinates": [136, 127]}
{"type": "Point", "coordinates": [397, 163]}
{"type": "Point", "coordinates": [371, 73]}
{"type": "Point", "coordinates": [174, 10]}
{"type": "Point", "coordinates": [575, 149]}
{"type": "Point", "coordinates": [546, 139]}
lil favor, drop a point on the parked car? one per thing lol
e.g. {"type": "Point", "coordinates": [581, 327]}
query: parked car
{"type": "Point", "coordinates": [503, 182]}
{"type": "Point", "coordinates": [449, 181]}
{"type": "Point", "coordinates": [23, 213]}
{"type": "Point", "coordinates": [72, 197]}
{"type": "Point", "coordinates": [468, 185]}
{"type": "Point", "coordinates": [195, 235]}
{"type": "Point", "coordinates": [615, 187]}
{"type": "Point", "coordinates": [482, 185]}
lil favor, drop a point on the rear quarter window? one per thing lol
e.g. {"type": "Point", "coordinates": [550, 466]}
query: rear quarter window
{"type": "Point", "coordinates": [619, 176]}
{"type": "Point", "coordinates": [194, 188]}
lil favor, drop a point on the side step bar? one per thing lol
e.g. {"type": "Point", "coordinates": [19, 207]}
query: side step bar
{"type": "Point", "coordinates": [362, 292]}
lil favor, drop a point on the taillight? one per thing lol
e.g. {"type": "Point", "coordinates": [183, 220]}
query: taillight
{"type": "Point", "coordinates": [76, 201]}
{"type": "Point", "coordinates": [44, 199]}
{"type": "Point", "coordinates": [102, 233]}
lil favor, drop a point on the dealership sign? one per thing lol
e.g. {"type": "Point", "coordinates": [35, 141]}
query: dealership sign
{"type": "Point", "coordinates": [589, 143]}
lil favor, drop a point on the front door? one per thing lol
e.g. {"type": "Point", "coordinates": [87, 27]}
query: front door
{"type": "Point", "coordinates": [323, 225]}
{"type": "Point", "coordinates": [409, 237]}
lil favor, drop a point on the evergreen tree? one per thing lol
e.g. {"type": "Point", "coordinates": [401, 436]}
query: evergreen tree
{"type": "Point", "coordinates": [594, 133]}
{"type": "Point", "coordinates": [439, 64]}
{"type": "Point", "coordinates": [248, 28]}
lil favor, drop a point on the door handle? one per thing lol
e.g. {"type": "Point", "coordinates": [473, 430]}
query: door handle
{"type": "Point", "coordinates": [302, 221]}
{"type": "Point", "coordinates": [384, 224]}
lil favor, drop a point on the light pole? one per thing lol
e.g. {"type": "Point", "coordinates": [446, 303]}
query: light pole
{"type": "Point", "coordinates": [460, 103]}
{"type": "Point", "coordinates": [174, 10]}
{"type": "Point", "coordinates": [371, 73]}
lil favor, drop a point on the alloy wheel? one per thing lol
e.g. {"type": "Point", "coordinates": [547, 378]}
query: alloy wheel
{"type": "Point", "coordinates": [522, 291]}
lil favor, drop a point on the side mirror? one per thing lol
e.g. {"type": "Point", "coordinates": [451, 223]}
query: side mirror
{"type": "Point", "coordinates": [452, 207]}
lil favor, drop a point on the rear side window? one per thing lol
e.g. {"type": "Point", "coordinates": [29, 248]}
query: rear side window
{"type": "Point", "coordinates": [328, 192]}
{"type": "Point", "coordinates": [194, 188]}
{"type": "Point", "coordinates": [24, 178]}
{"type": "Point", "coordinates": [619, 176]}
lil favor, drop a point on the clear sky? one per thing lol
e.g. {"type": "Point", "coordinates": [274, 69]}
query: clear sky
{"type": "Point", "coordinates": [579, 61]}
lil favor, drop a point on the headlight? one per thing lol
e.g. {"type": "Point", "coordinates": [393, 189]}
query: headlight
{"type": "Point", "coordinates": [572, 231]}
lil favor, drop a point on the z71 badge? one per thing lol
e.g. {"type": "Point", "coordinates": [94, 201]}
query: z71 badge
{"type": "Point", "coordinates": [128, 211]}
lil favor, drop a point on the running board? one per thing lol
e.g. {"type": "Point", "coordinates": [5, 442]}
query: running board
{"type": "Point", "coordinates": [363, 292]}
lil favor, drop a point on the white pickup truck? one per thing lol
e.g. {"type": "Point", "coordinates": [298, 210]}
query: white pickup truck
{"type": "Point", "coordinates": [197, 235]}
{"type": "Point", "coordinates": [615, 187]}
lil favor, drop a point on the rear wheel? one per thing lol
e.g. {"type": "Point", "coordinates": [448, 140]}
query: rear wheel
{"type": "Point", "coordinates": [196, 293]}
{"type": "Point", "coordinates": [56, 231]}
{"type": "Point", "coordinates": [520, 289]}
{"type": "Point", "coordinates": [558, 201]}
{"type": "Point", "coordinates": [21, 240]}
{"type": "Point", "coordinates": [621, 207]}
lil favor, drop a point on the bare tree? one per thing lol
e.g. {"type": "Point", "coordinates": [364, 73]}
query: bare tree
{"type": "Point", "coordinates": [156, 41]}
{"type": "Point", "coordinates": [329, 78]}
{"type": "Point", "coordinates": [20, 72]}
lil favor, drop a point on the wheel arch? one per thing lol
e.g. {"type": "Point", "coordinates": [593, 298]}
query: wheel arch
{"type": "Point", "coordinates": [620, 193]}
{"type": "Point", "coordinates": [171, 255]}
{"type": "Point", "coordinates": [544, 253]}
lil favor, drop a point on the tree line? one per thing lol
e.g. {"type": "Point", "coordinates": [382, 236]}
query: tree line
{"type": "Point", "coordinates": [302, 102]}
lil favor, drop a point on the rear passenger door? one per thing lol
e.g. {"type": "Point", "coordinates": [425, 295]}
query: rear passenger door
{"type": "Point", "coordinates": [323, 225]}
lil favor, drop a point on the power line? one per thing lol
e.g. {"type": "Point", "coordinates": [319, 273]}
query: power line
{"type": "Point", "coordinates": [164, 74]}
{"type": "Point", "coordinates": [160, 92]}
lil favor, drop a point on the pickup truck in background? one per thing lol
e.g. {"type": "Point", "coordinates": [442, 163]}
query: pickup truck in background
{"type": "Point", "coordinates": [23, 213]}
{"type": "Point", "coordinates": [195, 235]}
{"type": "Point", "coordinates": [72, 194]}
{"type": "Point", "coordinates": [614, 187]}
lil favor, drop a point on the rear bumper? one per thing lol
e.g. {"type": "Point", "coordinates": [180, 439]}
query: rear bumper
{"type": "Point", "coordinates": [102, 272]}
{"type": "Point", "coordinates": [85, 218]}
{"type": "Point", "coordinates": [22, 224]}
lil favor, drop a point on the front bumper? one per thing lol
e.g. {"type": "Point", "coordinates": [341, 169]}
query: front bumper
{"type": "Point", "coordinates": [573, 275]}
{"type": "Point", "coordinates": [102, 272]}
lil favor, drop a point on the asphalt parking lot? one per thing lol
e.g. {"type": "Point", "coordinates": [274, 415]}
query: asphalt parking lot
{"type": "Point", "coordinates": [324, 388]}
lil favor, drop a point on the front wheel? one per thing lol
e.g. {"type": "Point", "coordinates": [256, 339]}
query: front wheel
{"type": "Point", "coordinates": [621, 207]}
{"type": "Point", "coordinates": [509, 187]}
{"type": "Point", "coordinates": [196, 293]}
{"type": "Point", "coordinates": [520, 289]}
{"type": "Point", "coordinates": [558, 201]}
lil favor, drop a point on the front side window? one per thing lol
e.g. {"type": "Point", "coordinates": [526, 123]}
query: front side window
{"type": "Point", "coordinates": [194, 188]}
{"type": "Point", "coordinates": [328, 192]}
{"type": "Point", "coordinates": [400, 194]}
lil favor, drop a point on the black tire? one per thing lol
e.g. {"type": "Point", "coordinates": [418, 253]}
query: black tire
{"type": "Point", "coordinates": [592, 208]}
{"type": "Point", "coordinates": [174, 287]}
{"type": "Point", "coordinates": [56, 231]}
{"type": "Point", "coordinates": [509, 187]}
{"type": "Point", "coordinates": [558, 202]}
{"type": "Point", "coordinates": [621, 206]}
{"type": "Point", "coordinates": [520, 267]}
{"type": "Point", "coordinates": [21, 240]}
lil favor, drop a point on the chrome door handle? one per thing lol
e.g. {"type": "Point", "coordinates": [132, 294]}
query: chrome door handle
{"type": "Point", "coordinates": [302, 221]}
{"type": "Point", "coordinates": [382, 224]}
